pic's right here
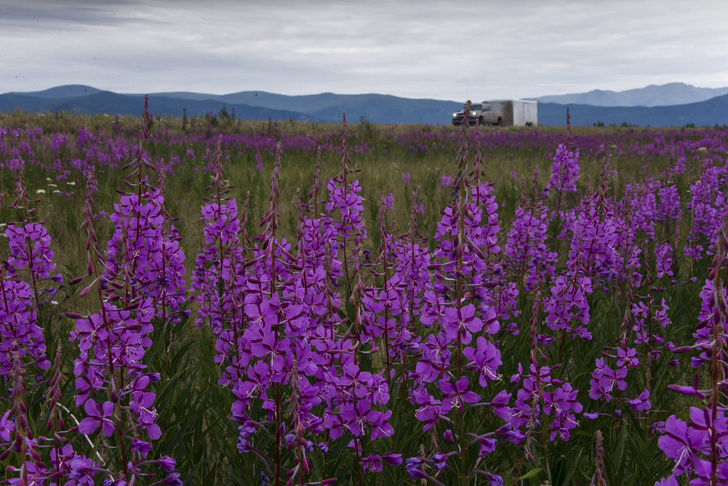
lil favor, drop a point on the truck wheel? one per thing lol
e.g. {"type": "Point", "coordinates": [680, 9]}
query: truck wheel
{"type": "Point", "coordinates": [480, 121]}
{"type": "Point", "coordinates": [499, 123]}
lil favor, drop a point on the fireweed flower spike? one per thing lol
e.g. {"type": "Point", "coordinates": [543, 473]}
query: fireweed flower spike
{"type": "Point", "coordinates": [113, 342]}
{"type": "Point", "coordinates": [697, 446]}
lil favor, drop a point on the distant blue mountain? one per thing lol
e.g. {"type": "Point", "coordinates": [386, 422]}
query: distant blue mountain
{"type": "Point", "coordinates": [67, 91]}
{"type": "Point", "coordinates": [106, 102]}
{"type": "Point", "coordinates": [706, 113]}
{"type": "Point", "coordinates": [652, 95]}
{"type": "Point", "coordinates": [330, 107]}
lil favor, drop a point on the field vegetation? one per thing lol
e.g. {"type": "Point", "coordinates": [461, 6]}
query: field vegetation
{"type": "Point", "coordinates": [216, 301]}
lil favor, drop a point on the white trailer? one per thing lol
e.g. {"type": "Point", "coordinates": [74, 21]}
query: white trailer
{"type": "Point", "coordinates": [516, 113]}
{"type": "Point", "coordinates": [505, 113]}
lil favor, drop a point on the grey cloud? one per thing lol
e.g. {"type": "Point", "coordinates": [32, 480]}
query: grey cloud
{"type": "Point", "coordinates": [61, 15]}
{"type": "Point", "coordinates": [432, 49]}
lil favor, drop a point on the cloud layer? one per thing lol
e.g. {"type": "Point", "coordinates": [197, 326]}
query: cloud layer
{"type": "Point", "coordinates": [431, 49]}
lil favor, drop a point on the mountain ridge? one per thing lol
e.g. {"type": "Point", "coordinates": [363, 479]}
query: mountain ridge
{"type": "Point", "coordinates": [372, 107]}
{"type": "Point", "coordinates": [653, 95]}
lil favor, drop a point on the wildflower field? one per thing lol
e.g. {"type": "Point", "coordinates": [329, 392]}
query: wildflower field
{"type": "Point", "coordinates": [213, 302]}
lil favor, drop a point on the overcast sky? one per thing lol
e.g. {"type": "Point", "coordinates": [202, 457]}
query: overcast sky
{"type": "Point", "coordinates": [412, 48]}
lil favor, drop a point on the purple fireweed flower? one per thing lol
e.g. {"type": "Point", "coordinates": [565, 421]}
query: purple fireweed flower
{"type": "Point", "coordinates": [387, 202]}
{"type": "Point", "coordinates": [18, 326]}
{"type": "Point", "coordinates": [392, 459]}
{"type": "Point", "coordinates": [604, 380]}
{"type": "Point", "coordinates": [98, 415]}
{"type": "Point", "coordinates": [6, 427]}
{"type": "Point", "coordinates": [415, 468]}
{"type": "Point", "coordinates": [708, 208]}
{"type": "Point", "coordinates": [347, 202]}
{"type": "Point", "coordinates": [462, 322]}
{"type": "Point", "coordinates": [372, 463]}
{"type": "Point", "coordinates": [435, 358]}
{"type": "Point", "coordinates": [172, 479]}
{"type": "Point", "coordinates": [679, 445]}
{"type": "Point", "coordinates": [456, 394]}
{"type": "Point", "coordinates": [663, 257]}
{"type": "Point", "coordinates": [562, 403]}
{"type": "Point", "coordinates": [429, 409]}
{"type": "Point", "coordinates": [378, 421]}
{"type": "Point", "coordinates": [166, 463]}
{"type": "Point", "coordinates": [526, 246]}
{"type": "Point", "coordinates": [406, 178]}
{"type": "Point", "coordinates": [494, 479]}
{"type": "Point", "coordinates": [487, 446]}
{"type": "Point", "coordinates": [669, 207]}
{"type": "Point", "coordinates": [669, 481]}
{"type": "Point", "coordinates": [567, 302]}
{"type": "Point", "coordinates": [565, 170]}
{"type": "Point", "coordinates": [439, 460]}
{"type": "Point", "coordinates": [143, 448]}
{"type": "Point", "coordinates": [642, 403]}
{"type": "Point", "coordinates": [485, 358]}
{"type": "Point", "coordinates": [499, 405]}
{"type": "Point", "coordinates": [82, 471]}
{"type": "Point", "coordinates": [32, 237]}
{"type": "Point", "coordinates": [627, 357]}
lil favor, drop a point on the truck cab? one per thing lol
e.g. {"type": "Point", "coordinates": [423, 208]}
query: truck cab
{"type": "Point", "coordinates": [484, 113]}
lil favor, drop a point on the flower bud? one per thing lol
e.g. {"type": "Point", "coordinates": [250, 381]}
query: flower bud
{"type": "Point", "coordinates": [681, 349]}
{"type": "Point", "coordinates": [684, 390]}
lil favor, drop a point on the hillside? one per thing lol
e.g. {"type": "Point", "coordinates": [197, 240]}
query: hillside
{"type": "Point", "coordinates": [330, 107]}
{"type": "Point", "coordinates": [664, 95]}
{"type": "Point", "coordinates": [706, 113]}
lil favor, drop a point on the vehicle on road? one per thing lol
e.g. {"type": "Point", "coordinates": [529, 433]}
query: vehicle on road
{"type": "Point", "coordinates": [509, 113]}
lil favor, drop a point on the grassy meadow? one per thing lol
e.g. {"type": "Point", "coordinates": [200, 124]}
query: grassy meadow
{"type": "Point", "coordinates": [602, 275]}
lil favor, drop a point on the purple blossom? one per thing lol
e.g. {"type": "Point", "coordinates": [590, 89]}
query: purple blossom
{"type": "Point", "coordinates": [565, 170]}
{"type": "Point", "coordinates": [457, 394]}
{"type": "Point", "coordinates": [6, 427]}
{"type": "Point", "coordinates": [485, 358]}
{"type": "Point", "coordinates": [462, 322]}
{"type": "Point", "coordinates": [98, 415]}
{"type": "Point", "coordinates": [642, 403]}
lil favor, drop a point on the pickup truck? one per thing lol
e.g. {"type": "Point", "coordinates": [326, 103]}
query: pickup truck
{"type": "Point", "coordinates": [479, 112]}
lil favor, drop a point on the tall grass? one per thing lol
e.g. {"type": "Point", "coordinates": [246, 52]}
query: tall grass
{"type": "Point", "coordinates": [335, 283]}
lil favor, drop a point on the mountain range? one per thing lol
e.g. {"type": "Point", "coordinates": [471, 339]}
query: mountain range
{"type": "Point", "coordinates": [674, 104]}
{"type": "Point", "coordinates": [652, 95]}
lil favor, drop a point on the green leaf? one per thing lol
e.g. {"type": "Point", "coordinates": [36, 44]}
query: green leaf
{"type": "Point", "coordinates": [531, 474]}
